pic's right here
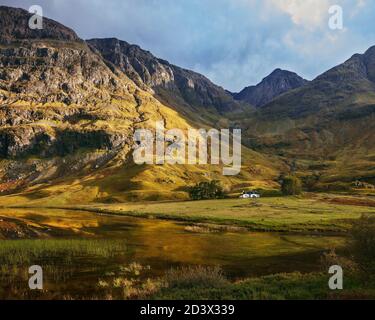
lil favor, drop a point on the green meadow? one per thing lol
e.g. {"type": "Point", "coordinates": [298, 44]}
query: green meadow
{"type": "Point", "coordinates": [310, 213]}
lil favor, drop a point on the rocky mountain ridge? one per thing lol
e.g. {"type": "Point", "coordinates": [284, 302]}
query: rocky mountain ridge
{"type": "Point", "coordinates": [326, 124]}
{"type": "Point", "coordinates": [272, 86]}
{"type": "Point", "coordinates": [167, 80]}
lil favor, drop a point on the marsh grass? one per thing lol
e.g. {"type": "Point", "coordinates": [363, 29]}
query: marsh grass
{"type": "Point", "coordinates": [62, 261]}
{"type": "Point", "coordinates": [291, 286]}
{"type": "Point", "coordinates": [21, 252]}
{"type": "Point", "coordinates": [129, 282]}
{"type": "Point", "coordinates": [196, 277]}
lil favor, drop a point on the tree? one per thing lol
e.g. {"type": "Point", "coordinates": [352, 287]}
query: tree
{"type": "Point", "coordinates": [291, 185]}
{"type": "Point", "coordinates": [206, 190]}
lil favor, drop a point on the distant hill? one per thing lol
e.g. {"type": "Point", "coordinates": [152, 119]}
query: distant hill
{"type": "Point", "coordinates": [337, 89]}
{"type": "Point", "coordinates": [329, 122]}
{"type": "Point", "coordinates": [272, 86]}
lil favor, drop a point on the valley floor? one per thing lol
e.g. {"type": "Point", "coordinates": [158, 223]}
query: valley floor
{"type": "Point", "coordinates": [136, 250]}
{"type": "Point", "coordinates": [321, 213]}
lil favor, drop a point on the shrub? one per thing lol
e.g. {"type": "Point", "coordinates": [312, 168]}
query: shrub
{"type": "Point", "coordinates": [363, 234]}
{"type": "Point", "coordinates": [310, 182]}
{"type": "Point", "coordinates": [291, 185]}
{"type": "Point", "coordinates": [206, 190]}
{"type": "Point", "coordinates": [129, 283]}
{"type": "Point", "coordinates": [331, 258]}
{"type": "Point", "coordinates": [195, 277]}
{"type": "Point", "coordinates": [269, 192]}
{"type": "Point", "coordinates": [335, 186]}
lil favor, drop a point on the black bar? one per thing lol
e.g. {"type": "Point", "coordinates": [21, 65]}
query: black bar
{"type": "Point", "coordinates": [134, 309]}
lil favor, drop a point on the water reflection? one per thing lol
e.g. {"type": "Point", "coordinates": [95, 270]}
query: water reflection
{"type": "Point", "coordinates": [165, 244]}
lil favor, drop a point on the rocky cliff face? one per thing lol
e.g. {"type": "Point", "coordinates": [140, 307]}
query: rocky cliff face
{"type": "Point", "coordinates": [43, 72]}
{"type": "Point", "coordinates": [274, 85]}
{"type": "Point", "coordinates": [172, 82]}
{"type": "Point", "coordinates": [46, 83]}
{"type": "Point", "coordinates": [60, 104]}
{"type": "Point", "coordinates": [139, 65]}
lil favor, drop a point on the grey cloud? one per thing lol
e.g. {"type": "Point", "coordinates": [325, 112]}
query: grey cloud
{"type": "Point", "coordinates": [234, 42]}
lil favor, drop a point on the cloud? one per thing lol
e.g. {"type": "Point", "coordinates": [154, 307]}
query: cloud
{"type": "Point", "coordinates": [235, 43]}
{"type": "Point", "coordinates": [310, 14]}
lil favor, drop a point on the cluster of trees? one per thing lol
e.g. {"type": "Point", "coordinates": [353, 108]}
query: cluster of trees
{"type": "Point", "coordinates": [291, 185]}
{"type": "Point", "coordinates": [311, 182]}
{"type": "Point", "coordinates": [206, 191]}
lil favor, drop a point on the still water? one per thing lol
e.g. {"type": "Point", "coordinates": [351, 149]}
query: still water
{"type": "Point", "coordinates": [162, 245]}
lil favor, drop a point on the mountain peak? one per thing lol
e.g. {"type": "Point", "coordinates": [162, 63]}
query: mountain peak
{"type": "Point", "coordinates": [14, 25]}
{"type": "Point", "coordinates": [272, 86]}
{"type": "Point", "coordinates": [278, 71]}
{"type": "Point", "coordinates": [281, 72]}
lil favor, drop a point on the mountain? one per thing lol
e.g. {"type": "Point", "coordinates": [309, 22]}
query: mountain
{"type": "Point", "coordinates": [336, 90]}
{"type": "Point", "coordinates": [184, 90]}
{"type": "Point", "coordinates": [68, 117]}
{"type": "Point", "coordinates": [69, 109]}
{"type": "Point", "coordinates": [48, 85]}
{"type": "Point", "coordinates": [327, 124]}
{"type": "Point", "coordinates": [272, 86]}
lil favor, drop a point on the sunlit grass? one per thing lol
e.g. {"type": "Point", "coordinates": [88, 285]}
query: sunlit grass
{"type": "Point", "coordinates": [287, 214]}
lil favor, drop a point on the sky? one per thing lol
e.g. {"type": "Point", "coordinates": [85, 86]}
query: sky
{"type": "Point", "coordinates": [235, 43]}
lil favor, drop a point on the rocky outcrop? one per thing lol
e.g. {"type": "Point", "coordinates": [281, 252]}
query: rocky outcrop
{"type": "Point", "coordinates": [274, 85]}
{"type": "Point", "coordinates": [57, 103]}
{"type": "Point", "coordinates": [24, 141]}
{"type": "Point", "coordinates": [139, 65]}
{"type": "Point", "coordinates": [44, 73]}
